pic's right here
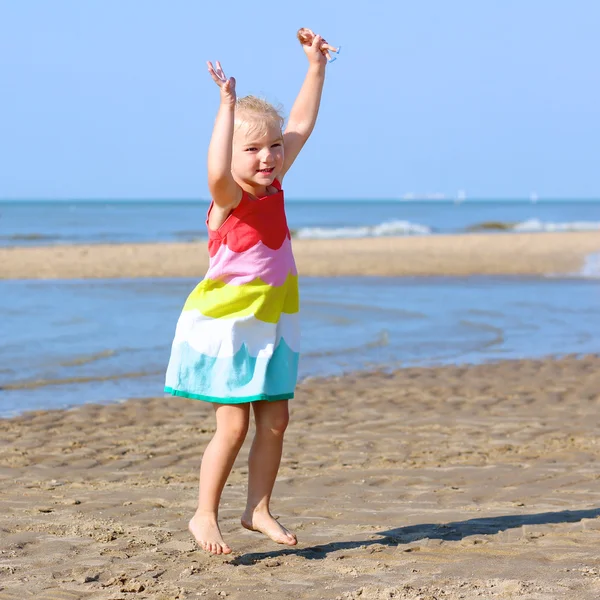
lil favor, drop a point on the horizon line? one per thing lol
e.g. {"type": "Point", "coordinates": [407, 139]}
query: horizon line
{"type": "Point", "coordinates": [399, 200]}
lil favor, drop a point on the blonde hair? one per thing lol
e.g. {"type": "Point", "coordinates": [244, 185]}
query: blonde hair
{"type": "Point", "coordinates": [257, 114]}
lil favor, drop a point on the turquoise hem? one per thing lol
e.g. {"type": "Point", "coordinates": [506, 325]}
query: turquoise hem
{"type": "Point", "coordinates": [242, 400]}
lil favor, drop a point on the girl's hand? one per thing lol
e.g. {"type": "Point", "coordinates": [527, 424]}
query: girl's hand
{"type": "Point", "coordinates": [227, 86]}
{"type": "Point", "coordinates": [314, 52]}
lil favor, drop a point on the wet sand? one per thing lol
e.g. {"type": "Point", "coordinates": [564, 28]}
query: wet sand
{"type": "Point", "coordinates": [431, 483]}
{"type": "Point", "coordinates": [497, 254]}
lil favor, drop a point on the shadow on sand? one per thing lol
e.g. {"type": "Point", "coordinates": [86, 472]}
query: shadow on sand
{"type": "Point", "coordinates": [443, 531]}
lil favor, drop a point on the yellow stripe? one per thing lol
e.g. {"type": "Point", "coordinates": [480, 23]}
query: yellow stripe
{"type": "Point", "coordinates": [219, 300]}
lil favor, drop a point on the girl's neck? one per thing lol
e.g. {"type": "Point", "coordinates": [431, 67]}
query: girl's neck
{"type": "Point", "coordinates": [253, 190]}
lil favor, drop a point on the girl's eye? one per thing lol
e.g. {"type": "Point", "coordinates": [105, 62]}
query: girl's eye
{"type": "Point", "coordinates": [276, 145]}
{"type": "Point", "coordinates": [251, 149]}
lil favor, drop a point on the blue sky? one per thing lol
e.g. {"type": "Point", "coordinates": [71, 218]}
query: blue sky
{"type": "Point", "coordinates": [111, 98]}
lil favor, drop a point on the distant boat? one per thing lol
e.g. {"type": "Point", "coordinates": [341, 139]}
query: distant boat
{"type": "Point", "coordinates": [460, 197]}
{"type": "Point", "coordinates": [533, 197]}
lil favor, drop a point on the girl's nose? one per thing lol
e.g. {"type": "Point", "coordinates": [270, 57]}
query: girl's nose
{"type": "Point", "coordinates": [266, 156]}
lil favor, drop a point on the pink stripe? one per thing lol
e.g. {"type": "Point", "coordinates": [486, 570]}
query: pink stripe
{"type": "Point", "coordinates": [237, 268]}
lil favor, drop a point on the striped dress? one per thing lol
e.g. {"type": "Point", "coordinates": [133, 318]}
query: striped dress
{"type": "Point", "coordinates": [237, 339]}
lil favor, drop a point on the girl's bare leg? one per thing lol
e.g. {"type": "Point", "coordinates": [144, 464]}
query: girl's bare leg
{"type": "Point", "coordinates": [218, 458]}
{"type": "Point", "coordinates": [263, 463]}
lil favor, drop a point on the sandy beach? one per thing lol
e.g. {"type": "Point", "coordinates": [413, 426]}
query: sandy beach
{"type": "Point", "coordinates": [429, 483]}
{"type": "Point", "coordinates": [494, 254]}
{"type": "Point", "coordinates": [435, 483]}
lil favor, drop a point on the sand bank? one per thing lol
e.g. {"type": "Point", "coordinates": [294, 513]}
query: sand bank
{"type": "Point", "coordinates": [498, 254]}
{"type": "Point", "coordinates": [453, 483]}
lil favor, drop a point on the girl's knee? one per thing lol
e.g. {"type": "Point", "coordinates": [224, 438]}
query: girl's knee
{"type": "Point", "coordinates": [233, 426]}
{"type": "Point", "coordinates": [235, 430]}
{"type": "Point", "coordinates": [275, 424]}
{"type": "Point", "coordinates": [233, 433]}
{"type": "Point", "coordinates": [238, 431]}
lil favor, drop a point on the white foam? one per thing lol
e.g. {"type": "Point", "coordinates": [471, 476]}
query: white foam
{"type": "Point", "coordinates": [591, 266]}
{"type": "Point", "coordinates": [387, 228]}
{"type": "Point", "coordinates": [532, 225]}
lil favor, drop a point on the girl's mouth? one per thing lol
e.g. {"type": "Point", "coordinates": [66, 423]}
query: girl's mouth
{"type": "Point", "coordinates": [266, 171]}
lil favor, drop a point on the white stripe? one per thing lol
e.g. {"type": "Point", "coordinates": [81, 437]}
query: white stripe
{"type": "Point", "coordinates": [224, 337]}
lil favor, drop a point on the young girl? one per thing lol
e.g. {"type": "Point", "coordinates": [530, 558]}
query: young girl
{"type": "Point", "coordinates": [237, 340]}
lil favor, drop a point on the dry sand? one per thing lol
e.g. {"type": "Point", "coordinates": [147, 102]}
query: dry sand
{"type": "Point", "coordinates": [515, 253]}
{"type": "Point", "coordinates": [433, 484]}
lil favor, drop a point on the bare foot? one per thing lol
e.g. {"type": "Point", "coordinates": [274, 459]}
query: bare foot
{"type": "Point", "coordinates": [264, 522]}
{"type": "Point", "coordinates": [207, 533]}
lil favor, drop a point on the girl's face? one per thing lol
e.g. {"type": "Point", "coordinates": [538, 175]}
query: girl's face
{"type": "Point", "coordinates": [257, 157]}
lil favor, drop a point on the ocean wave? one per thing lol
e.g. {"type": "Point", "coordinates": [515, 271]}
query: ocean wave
{"type": "Point", "coordinates": [30, 237]}
{"type": "Point", "coordinates": [388, 228]}
{"type": "Point", "coordinates": [382, 340]}
{"type": "Point", "coordinates": [28, 384]}
{"type": "Point", "coordinates": [591, 266]}
{"type": "Point", "coordinates": [532, 225]}
{"type": "Point", "coordinates": [89, 358]}
{"type": "Point", "coordinates": [491, 226]}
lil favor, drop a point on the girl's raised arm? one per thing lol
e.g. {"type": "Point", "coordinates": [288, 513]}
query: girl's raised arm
{"type": "Point", "coordinates": [303, 115]}
{"type": "Point", "coordinates": [224, 191]}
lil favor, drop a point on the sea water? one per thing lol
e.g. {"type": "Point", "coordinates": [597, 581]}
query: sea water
{"type": "Point", "coordinates": [65, 343]}
{"type": "Point", "coordinates": [76, 222]}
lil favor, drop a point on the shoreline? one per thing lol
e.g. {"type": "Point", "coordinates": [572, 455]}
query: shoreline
{"type": "Point", "coordinates": [536, 254]}
{"type": "Point", "coordinates": [451, 481]}
{"type": "Point", "coordinates": [376, 370]}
